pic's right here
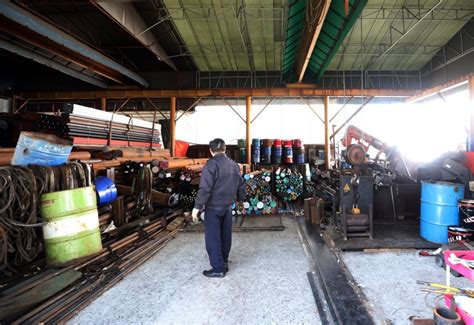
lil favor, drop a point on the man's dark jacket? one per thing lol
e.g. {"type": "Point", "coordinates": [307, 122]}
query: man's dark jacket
{"type": "Point", "coordinates": [221, 183]}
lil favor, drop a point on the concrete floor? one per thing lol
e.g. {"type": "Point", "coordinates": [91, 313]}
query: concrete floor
{"type": "Point", "coordinates": [267, 283]}
{"type": "Point", "coordinates": [388, 280]}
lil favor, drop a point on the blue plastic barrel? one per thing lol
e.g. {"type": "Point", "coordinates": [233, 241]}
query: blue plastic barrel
{"type": "Point", "coordinates": [106, 190]}
{"type": "Point", "coordinates": [439, 209]}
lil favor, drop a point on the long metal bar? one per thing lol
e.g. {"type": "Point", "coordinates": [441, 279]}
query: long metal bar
{"type": "Point", "coordinates": [127, 17]}
{"type": "Point", "coordinates": [156, 108]}
{"type": "Point", "coordinates": [311, 108]}
{"type": "Point", "coordinates": [187, 110]}
{"type": "Point", "coordinates": [31, 28]}
{"type": "Point", "coordinates": [312, 29]}
{"type": "Point", "coordinates": [403, 36]}
{"type": "Point", "coordinates": [172, 125]}
{"type": "Point", "coordinates": [235, 111]}
{"type": "Point", "coordinates": [22, 105]}
{"type": "Point", "coordinates": [340, 110]}
{"type": "Point", "coordinates": [436, 89]}
{"type": "Point", "coordinates": [351, 117]}
{"type": "Point", "coordinates": [327, 143]}
{"type": "Point", "coordinates": [261, 111]}
{"type": "Point", "coordinates": [471, 95]}
{"type": "Point", "coordinates": [219, 93]}
{"type": "Point", "coordinates": [248, 111]}
{"type": "Point", "coordinates": [116, 111]}
{"type": "Point", "coordinates": [51, 63]}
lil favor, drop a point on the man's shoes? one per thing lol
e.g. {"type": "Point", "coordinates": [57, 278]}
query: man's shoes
{"type": "Point", "coordinates": [226, 267]}
{"type": "Point", "coordinates": [213, 274]}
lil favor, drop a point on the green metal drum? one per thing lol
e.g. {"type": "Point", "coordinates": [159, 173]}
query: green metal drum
{"type": "Point", "coordinates": [71, 231]}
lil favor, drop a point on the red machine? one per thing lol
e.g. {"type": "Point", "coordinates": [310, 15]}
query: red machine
{"type": "Point", "coordinates": [356, 152]}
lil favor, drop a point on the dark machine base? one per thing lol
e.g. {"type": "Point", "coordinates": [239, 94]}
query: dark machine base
{"type": "Point", "coordinates": [402, 235]}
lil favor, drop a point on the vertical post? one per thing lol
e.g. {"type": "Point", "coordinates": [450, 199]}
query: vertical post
{"type": "Point", "coordinates": [471, 95]}
{"type": "Point", "coordinates": [103, 103]}
{"type": "Point", "coordinates": [248, 139]}
{"type": "Point", "coordinates": [172, 125]}
{"type": "Point", "coordinates": [327, 144]}
{"type": "Point", "coordinates": [13, 104]}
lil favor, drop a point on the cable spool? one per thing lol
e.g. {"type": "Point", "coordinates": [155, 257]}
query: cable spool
{"type": "Point", "coordinates": [288, 184]}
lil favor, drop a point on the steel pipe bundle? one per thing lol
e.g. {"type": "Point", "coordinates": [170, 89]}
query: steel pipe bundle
{"type": "Point", "coordinates": [259, 195]}
{"type": "Point", "coordinates": [288, 184]}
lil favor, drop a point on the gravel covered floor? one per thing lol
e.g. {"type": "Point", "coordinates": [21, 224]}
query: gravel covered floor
{"type": "Point", "coordinates": [267, 283]}
{"type": "Point", "coordinates": [388, 279]}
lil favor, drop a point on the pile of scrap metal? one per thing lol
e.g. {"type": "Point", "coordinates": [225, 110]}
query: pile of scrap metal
{"type": "Point", "coordinates": [130, 199]}
{"type": "Point", "coordinates": [349, 189]}
{"type": "Point", "coordinates": [38, 294]}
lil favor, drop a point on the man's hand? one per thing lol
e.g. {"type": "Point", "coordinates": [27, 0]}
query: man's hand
{"type": "Point", "coordinates": [195, 215]}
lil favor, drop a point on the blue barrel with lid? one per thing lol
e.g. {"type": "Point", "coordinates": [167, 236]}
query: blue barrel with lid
{"type": "Point", "coordinates": [439, 209]}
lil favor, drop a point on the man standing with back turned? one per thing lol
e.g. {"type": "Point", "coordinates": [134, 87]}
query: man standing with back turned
{"type": "Point", "coordinates": [220, 184]}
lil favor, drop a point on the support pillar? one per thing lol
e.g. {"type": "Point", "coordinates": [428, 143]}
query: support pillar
{"type": "Point", "coordinates": [103, 103]}
{"type": "Point", "coordinates": [172, 125]}
{"type": "Point", "coordinates": [327, 144]}
{"type": "Point", "coordinates": [471, 96]}
{"type": "Point", "coordinates": [248, 139]}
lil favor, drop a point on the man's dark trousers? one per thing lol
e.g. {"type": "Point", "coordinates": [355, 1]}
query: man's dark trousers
{"type": "Point", "coordinates": [218, 234]}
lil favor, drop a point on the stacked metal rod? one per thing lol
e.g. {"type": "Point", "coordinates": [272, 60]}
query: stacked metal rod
{"type": "Point", "coordinates": [288, 184]}
{"type": "Point", "coordinates": [72, 126]}
{"type": "Point", "coordinates": [124, 250]}
{"type": "Point", "coordinates": [259, 195]}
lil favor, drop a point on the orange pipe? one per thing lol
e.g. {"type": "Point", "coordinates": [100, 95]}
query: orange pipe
{"type": "Point", "coordinates": [135, 152]}
{"type": "Point", "coordinates": [181, 163]}
{"type": "Point", "coordinates": [6, 157]}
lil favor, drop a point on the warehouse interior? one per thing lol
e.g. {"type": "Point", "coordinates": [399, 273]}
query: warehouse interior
{"type": "Point", "coordinates": [351, 121]}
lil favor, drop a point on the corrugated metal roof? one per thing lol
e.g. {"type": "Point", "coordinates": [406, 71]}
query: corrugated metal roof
{"type": "Point", "coordinates": [229, 35]}
{"type": "Point", "coordinates": [396, 26]}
